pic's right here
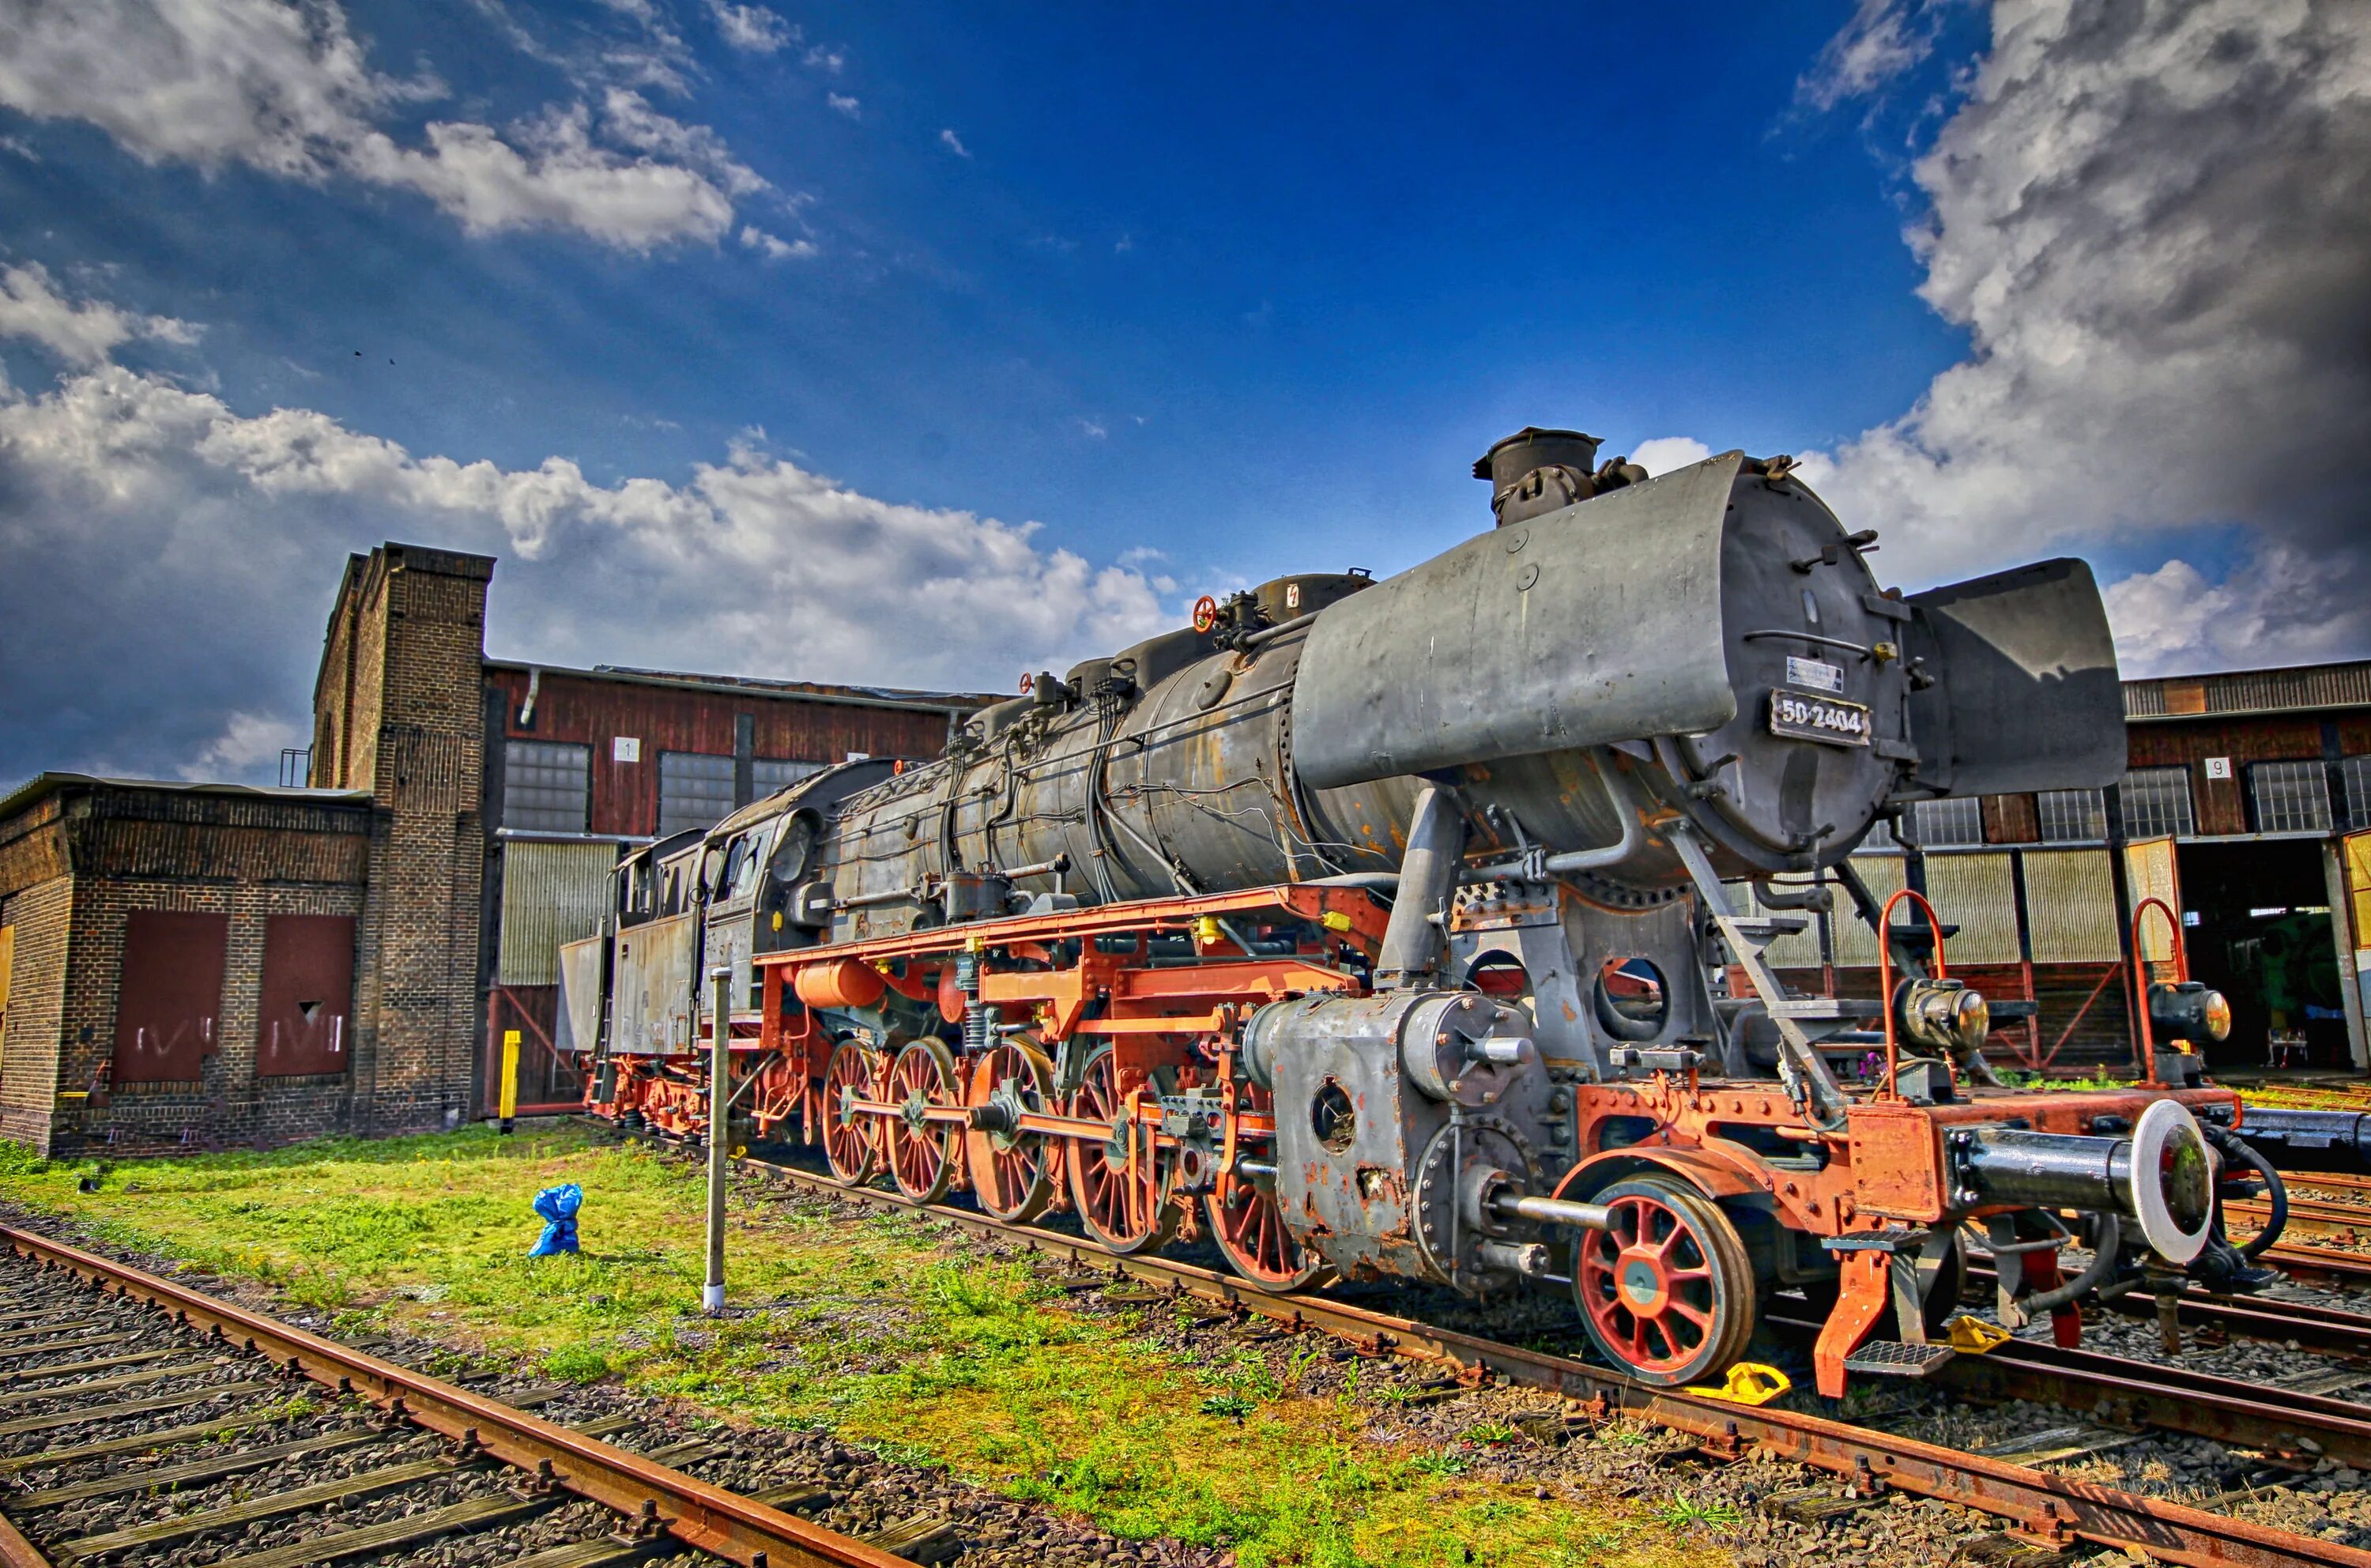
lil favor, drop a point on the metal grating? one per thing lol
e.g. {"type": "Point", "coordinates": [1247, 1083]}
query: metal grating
{"type": "Point", "coordinates": [2355, 774]}
{"type": "Point", "coordinates": [1935, 823]}
{"type": "Point", "coordinates": [551, 894]}
{"type": "Point", "coordinates": [2070, 906]}
{"type": "Point", "coordinates": [2290, 797]}
{"type": "Point", "coordinates": [1977, 894]}
{"type": "Point", "coordinates": [547, 786]}
{"type": "Point", "coordinates": [770, 774]}
{"type": "Point", "coordinates": [695, 790]}
{"type": "Point", "coordinates": [2157, 804]}
{"type": "Point", "coordinates": [2072, 816]}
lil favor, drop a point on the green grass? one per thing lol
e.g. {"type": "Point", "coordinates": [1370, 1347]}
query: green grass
{"type": "Point", "coordinates": [887, 1329]}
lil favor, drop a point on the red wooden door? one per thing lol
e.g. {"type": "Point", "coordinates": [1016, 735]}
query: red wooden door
{"type": "Point", "coordinates": [168, 1003]}
{"type": "Point", "coordinates": [306, 1022]}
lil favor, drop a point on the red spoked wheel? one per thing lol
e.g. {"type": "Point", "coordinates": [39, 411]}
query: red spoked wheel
{"type": "Point", "coordinates": [1250, 1231]}
{"type": "Point", "coordinates": [1121, 1200]}
{"type": "Point", "coordinates": [1667, 1292]}
{"type": "Point", "coordinates": [1249, 1228]}
{"type": "Point", "coordinates": [852, 1140]}
{"type": "Point", "coordinates": [924, 1156]}
{"type": "Point", "coordinates": [1013, 1172]}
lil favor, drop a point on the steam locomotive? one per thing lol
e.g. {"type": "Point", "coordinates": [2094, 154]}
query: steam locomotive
{"type": "Point", "coordinates": [1389, 929]}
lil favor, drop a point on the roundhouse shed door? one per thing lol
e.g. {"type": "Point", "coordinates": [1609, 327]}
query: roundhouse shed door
{"type": "Point", "coordinates": [169, 1002]}
{"type": "Point", "coordinates": [306, 1024]}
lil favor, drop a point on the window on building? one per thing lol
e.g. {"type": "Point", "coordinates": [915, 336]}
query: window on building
{"type": "Point", "coordinates": [545, 786]}
{"type": "Point", "coordinates": [695, 790]}
{"type": "Point", "coordinates": [2072, 816]}
{"type": "Point", "coordinates": [2157, 804]}
{"type": "Point", "coordinates": [1880, 836]}
{"type": "Point", "coordinates": [773, 773]}
{"type": "Point", "coordinates": [2291, 797]}
{"type": "Point", "coordinates": [1937, 822]}
{"type": "Point", "coordinates": [2357, 773]}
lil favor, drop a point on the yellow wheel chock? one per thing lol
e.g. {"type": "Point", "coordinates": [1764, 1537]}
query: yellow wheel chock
{"type": "Point", "coordinates": [1747, 1383]}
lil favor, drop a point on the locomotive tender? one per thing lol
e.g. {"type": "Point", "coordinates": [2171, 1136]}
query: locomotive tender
{"type": "Point", "coordinates": [1386, 929]}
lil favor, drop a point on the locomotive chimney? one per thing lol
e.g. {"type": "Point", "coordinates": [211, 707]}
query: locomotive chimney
{"type": "Point", "coordinates": [1535, 471]}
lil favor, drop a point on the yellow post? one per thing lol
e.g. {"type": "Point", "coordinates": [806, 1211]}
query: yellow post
{"type": "Point", "coordinates": [508, 1103]}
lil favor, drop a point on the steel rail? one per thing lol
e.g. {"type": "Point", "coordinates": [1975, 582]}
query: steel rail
{"type": "Point", "coordinates": [2051, 1507]}
{"type": "Point", "coordinates": [654, 1496]}
{"type": "Point", "coordinates": [2313, 1327]}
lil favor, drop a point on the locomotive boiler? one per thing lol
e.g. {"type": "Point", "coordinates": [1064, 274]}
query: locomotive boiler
{"type": "Point", "coordinates": [1400, 928]}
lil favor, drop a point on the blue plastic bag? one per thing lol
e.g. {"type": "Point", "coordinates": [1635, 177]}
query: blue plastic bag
{"type": "Point", "coordinates": [557, 1207]}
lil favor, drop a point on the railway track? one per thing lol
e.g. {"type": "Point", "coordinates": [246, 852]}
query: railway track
{"type": "Point", "coordinates": [144, 1422]}
{"type": "Point", "coordinates": [2042, 1507]}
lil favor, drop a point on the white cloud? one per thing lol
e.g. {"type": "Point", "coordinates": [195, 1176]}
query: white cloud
{"type": "Point", "coordinates": [832, 60]}
{"type": "Point", "coordinates": [953, 143]}
{"type": "Point", "coordinates": [751, 28]}
{"type": "Point", "coordinates": [1661, 454]}
{"type": "Point", "coordinates": [80, 332]}
{"type": "Point", "coordinates": [775, 249]}
{"type": "Point", "coordinates": [247, 744]}
{"type": "Point", "coordinates": [196, 547]}
{"type": "Point", "coordinates": [285, 88]}
{"type": "Point", "coordinates": [1884, 39]}
{"type": "Point", "coordinates": [845, 105]}
{"type": "Point", "coordinates": [1093, 430]}
{"type": "Point", "coordinates": [630, 122]}
{"type": "Point", "coordinates": [2154, 223]}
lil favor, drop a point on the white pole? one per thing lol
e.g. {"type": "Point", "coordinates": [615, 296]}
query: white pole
{"type": "Point", "coordinates": [720, 1132]}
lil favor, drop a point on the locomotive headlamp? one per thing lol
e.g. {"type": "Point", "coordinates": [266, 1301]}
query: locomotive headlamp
{"type": "Point", "coordinates": [1941, 1014]}
{"type": "Point", "coordinates": [2189, 1011]}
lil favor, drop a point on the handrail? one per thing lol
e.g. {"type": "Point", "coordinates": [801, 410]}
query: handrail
{"type": "Point", "coordinates": [1885, 976]}
{"type": "Point", "coordinates": [2141, 978]}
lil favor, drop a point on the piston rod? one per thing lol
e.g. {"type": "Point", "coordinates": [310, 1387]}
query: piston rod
{"type": "Point", "coordinates": [1553, 1211]}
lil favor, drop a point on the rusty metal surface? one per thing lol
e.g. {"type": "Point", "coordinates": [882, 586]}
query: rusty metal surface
{"type": "Point", "coordinates": [2172, 1397]}
{"type": "Point", "coordinates": [691, 1510]}
{"type": "Point", "coordinates": [651, 1010]}
{"type": "Point", "coordinates": [2051, 1506]}
{"type": "Point", "coordinates": [304, 1022]}
{"type": "Point", "coordinates": [168, 1007]}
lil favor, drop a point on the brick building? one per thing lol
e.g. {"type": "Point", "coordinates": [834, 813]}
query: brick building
{"type": "Point", "coordinates": [2246, 809]}
{"type": "Point", "coordinates": [210, 965]}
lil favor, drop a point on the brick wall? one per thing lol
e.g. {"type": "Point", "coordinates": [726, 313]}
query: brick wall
{"type": "Point", "coordinates": [36, 992]}
{"type": "Point", "coordinates": [229, 1104]}
{"type": "Point", "coordinates": [415, 739]}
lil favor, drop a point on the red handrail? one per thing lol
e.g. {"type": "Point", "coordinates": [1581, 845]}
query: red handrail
{"type": "Point", "coordinates": [1885, 976]}
{"type": "Point", "coordinates": [2141, 977]}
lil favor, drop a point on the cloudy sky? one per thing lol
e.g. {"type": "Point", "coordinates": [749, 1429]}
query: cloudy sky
{"type": "Point", "coordinates": [926, 344]}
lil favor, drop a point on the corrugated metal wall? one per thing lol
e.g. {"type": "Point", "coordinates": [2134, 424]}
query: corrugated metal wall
{"type": "Point", "coordinates": [1855, 943]}
{"type": "Point", "coordinates": [551, 894]}
{"type": "Point", "coordinates": [2070, 904]}
{"type": "Point", "coordinates": [1977, 894]}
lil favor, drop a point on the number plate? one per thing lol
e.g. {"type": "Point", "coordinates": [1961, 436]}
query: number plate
{"type": "Point", "coordinates": [1828, 719]}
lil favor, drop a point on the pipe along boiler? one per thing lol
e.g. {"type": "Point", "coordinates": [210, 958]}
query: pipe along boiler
{"type": "Point", "coordinates": [1417, 928]}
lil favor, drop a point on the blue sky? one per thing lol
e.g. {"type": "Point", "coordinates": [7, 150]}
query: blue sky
{"type": "Point", "coordinates": [1249, 288]}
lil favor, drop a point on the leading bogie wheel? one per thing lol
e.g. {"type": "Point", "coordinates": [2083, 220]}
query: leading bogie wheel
{"type": "Point", "coordinates": [1667, 1292]}
{"type": "Point", "coordinates": [1013, 1173]}
{"type": "Point", "coordinates": [852, 1140]}
{"type": "Point", "coordinates": [1121, 1197]}
{"type": "Point", "coordinates": [1248, 1227]}
{"type": "Point", "coordinates": [925, 1156]}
